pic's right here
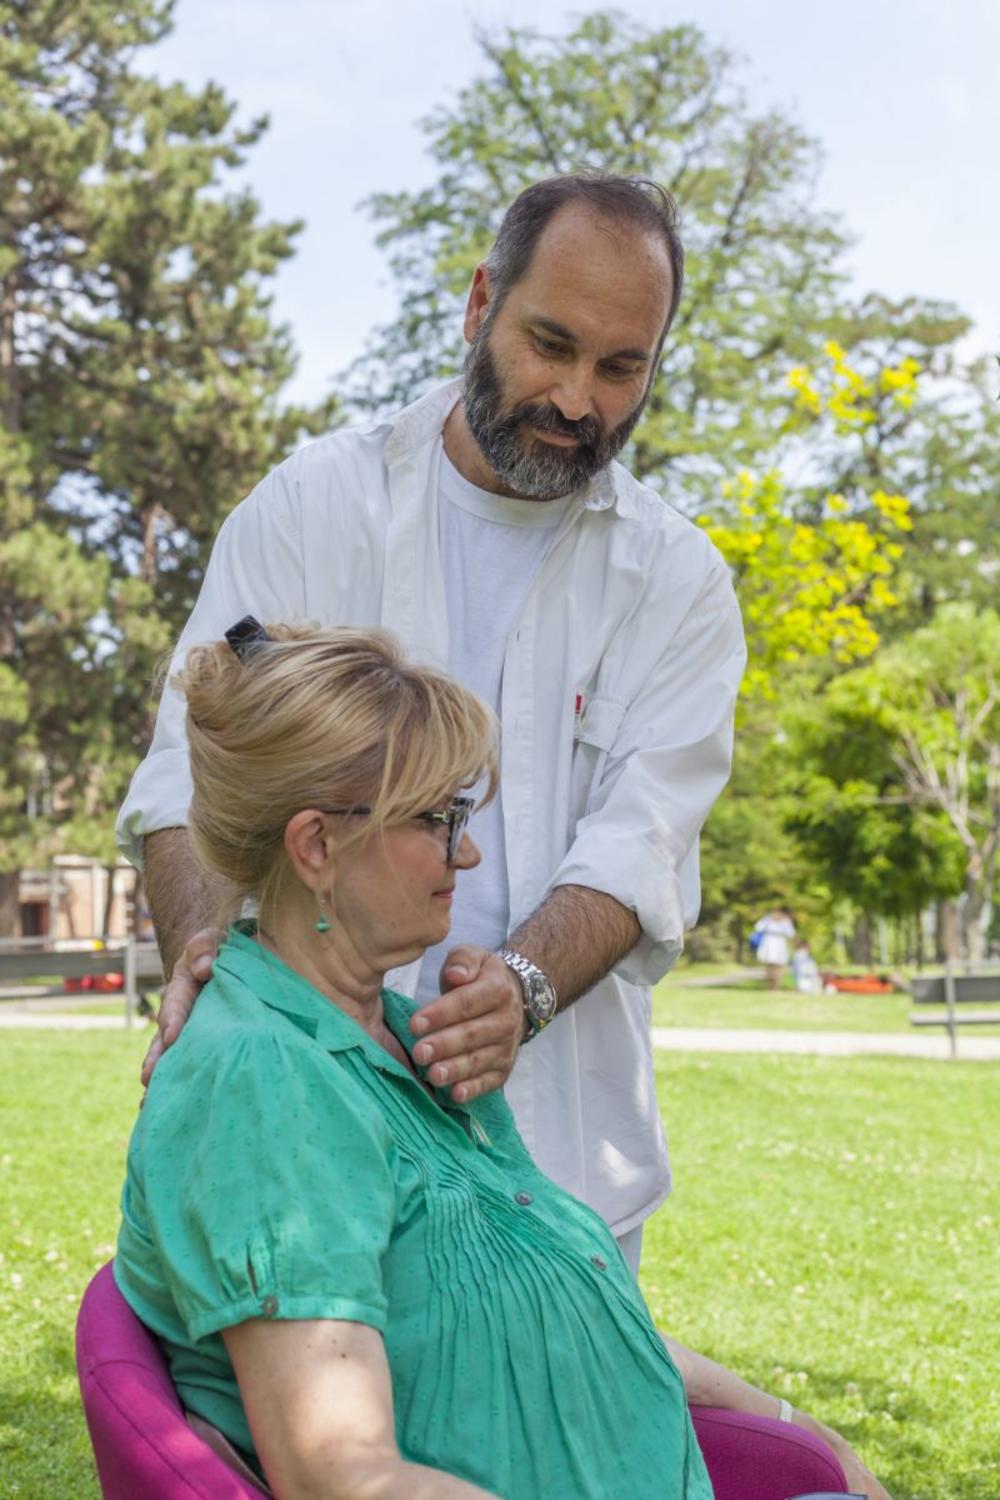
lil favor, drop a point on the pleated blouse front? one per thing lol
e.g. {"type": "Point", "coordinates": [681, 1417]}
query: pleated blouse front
{"type": "Point", "coordinates": [286, 1166]}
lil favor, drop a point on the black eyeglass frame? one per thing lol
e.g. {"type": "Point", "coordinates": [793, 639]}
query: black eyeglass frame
{"type": "Point", "coordinates": [455, 816]}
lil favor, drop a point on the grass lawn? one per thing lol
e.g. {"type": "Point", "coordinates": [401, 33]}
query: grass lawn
{"type": "Point", "coordinates": [832, 1236]}
{"type": "Point", "coordinates": [678, 1002]}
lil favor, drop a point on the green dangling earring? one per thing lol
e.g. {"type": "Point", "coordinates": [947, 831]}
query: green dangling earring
{"type": "Point", "coordinates": [322, 923]}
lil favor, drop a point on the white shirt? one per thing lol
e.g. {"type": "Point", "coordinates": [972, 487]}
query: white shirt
{"type": "Point", "coordinates": [490, 547]}
{"type": "Point", "coordinates": [619, 682]}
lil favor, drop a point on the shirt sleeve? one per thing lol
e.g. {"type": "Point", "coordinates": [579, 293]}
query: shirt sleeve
{"type": "Point", "coordinates": [669, 759]}
{"type": "Point", "coordinates": [255, 568]}
{"type": "Point", "coordinates": [269, 1191]}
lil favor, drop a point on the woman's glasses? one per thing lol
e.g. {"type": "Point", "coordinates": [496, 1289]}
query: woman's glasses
{"type": "Point", "coordinates": [455, 817]}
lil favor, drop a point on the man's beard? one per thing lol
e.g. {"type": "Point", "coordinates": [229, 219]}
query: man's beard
{"type": "Point", "coordinates": [532, 468]}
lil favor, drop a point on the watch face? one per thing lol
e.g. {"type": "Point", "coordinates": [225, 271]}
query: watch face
{"type": "Point", "coordinates": [541, 998]}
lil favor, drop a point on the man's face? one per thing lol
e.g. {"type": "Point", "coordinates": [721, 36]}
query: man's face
{"type": "Point", "coordinates": [558, 376]}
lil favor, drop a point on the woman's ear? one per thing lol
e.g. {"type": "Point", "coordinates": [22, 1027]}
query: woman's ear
{"type": "Point", "coordinates": [309, 847]}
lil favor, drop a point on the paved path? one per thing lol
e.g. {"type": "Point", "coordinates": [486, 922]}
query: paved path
{"type": "Point", "coordinates": [28, 1020]}
{"type": "Point", "coordinates": [716, 981]}
{"type": "Point", "coordinates": [670, 1038]}
{"type": "Point", "coordinates": [825, 1043]}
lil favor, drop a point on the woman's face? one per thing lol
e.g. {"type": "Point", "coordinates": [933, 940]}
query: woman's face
{"type": "Point", "coordinates": [392, 894]}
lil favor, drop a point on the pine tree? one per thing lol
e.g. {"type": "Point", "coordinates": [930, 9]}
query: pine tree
{"type": "Point", "coordinates": [140, 379]}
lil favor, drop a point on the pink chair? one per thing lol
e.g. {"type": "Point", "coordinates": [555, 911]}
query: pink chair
{"type": "Point", "coordinates": [144, 1447]}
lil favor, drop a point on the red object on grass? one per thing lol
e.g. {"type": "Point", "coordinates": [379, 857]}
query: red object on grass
{"type": "Point", "coordinates": [98, 984]}
{"type": "Point", "coordinates": [859, 984]}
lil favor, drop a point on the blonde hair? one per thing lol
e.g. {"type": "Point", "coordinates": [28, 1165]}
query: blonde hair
{"type": "Point", "coordinates": [325, 718]}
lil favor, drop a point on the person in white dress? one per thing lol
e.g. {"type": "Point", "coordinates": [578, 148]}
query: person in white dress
{"type": "Point", "coordinates": [774, 931]}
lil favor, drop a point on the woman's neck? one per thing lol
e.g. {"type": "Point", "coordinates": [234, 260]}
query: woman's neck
{"type": "Point", "coordinates": [353, 986]}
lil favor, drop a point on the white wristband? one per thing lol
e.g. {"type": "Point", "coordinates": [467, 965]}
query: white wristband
{"type": "Point", "coordinates": [784, 1410]}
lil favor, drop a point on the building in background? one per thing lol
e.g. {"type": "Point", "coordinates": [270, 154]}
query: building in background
{"type": "Point", "coordinates": [72, 900]}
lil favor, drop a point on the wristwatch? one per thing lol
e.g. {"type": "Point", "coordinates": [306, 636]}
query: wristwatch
{"type": "Point", "coordinates": [537, 992]}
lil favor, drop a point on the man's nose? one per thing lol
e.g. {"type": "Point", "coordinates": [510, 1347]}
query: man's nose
{"type": "Point", "coordinates": [573, 393]}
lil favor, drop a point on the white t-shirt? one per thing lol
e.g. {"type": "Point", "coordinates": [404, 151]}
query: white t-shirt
{"type": "Point", "coordinates": [491, 547]}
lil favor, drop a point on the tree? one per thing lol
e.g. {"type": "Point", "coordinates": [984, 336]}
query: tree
{"type": "Point", "coordinates": [763, 263]}
{"type": "Point", "coordinates": [939, 445]}
{"type": "Point", "coordinates": [902, 784]}
{"type": "Point", "coordinates": [140, 374]}
{"type": "Point", "coordinates": [814, 571]}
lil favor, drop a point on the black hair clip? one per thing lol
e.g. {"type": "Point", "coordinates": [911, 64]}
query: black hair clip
{"type": "Point", "coordinates": [246, 635]}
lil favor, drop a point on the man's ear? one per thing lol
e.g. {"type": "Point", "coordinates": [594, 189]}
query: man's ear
{"type": "Point", "coordinates": [478, 303]}
{"type": "Point", "coordinates": [310, 848]}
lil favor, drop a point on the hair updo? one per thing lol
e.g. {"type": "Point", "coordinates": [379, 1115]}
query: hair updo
{"type": "Point", "coordinates": [327, 718]}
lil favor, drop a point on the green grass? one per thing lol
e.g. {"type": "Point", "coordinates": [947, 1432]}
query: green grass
{"type": "Point", "coordinates": [832, 1236]}
{"type": "Point", "coordinates": [751, 1005]}
{"type": "Point", "coordinates": [66, 1105]}
{"type": "Point", "coordinates": [676, 1002]}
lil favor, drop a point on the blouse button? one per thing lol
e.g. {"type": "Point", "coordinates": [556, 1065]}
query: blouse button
{"type": "Point", "coordinates": [269, 1306]}
{"type": "Point", "coordinates": [599, 1262]}
{"type": "Point", "coordinates": [523, 1199]}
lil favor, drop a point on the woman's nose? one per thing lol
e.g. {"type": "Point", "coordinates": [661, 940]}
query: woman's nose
{"type": "Point", "coordinates": [467, 855]}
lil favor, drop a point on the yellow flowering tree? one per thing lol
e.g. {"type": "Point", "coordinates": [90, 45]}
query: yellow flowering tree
{"type": "Point", "coordinates": [853, 400]}
{"type": "Point", "coordinates": [809, 590]}
{"type": "Point", "coordinates": [815, 574]}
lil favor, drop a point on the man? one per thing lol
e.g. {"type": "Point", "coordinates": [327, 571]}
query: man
{"type": "Point", "coordinates": [487, 526]}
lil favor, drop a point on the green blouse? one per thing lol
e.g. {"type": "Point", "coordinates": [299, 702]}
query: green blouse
{"type": "Point", "coordinates": [285, 1166]}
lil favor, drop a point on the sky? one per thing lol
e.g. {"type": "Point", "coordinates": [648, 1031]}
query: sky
{"type": "Point", "coordinates": [903, 95]}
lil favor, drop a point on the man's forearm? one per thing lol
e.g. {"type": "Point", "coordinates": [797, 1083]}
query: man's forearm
{"type": "Point", "coordinates": [575, 937]}
{"type": "Point", "coordinates": [183, 896]}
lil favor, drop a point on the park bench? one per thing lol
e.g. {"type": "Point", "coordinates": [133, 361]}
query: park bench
{"type": "Point", "coordinates": [38, 958]}
{"type": "Point", "coordinates": [958, 992]}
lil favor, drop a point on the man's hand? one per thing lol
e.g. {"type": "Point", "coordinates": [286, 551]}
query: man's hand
{"type": "Point", "coordinates": [471, 1034]}
{"type": "Point", "coordinates": [191, 971]}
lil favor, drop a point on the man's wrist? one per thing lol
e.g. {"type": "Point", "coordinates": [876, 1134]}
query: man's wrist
{"type": "Point", "coordinates": [538, 993]}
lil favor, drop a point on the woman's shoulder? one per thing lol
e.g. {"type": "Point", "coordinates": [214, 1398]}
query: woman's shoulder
{"type": "Point", "coordinates": [249, 1048]}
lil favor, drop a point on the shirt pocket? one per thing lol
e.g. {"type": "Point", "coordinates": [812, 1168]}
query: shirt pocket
{"type": "Point", "coordinates": [595, 730]}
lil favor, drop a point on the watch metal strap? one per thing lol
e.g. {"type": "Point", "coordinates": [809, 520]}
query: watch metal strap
{"type": "Point", "coordinates": [525, 971]}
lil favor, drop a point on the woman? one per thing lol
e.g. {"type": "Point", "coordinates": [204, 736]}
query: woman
{"type": "Point", "coordinates": [368, 1289]}
{"type": "Point", "coordinates": [773, 932]}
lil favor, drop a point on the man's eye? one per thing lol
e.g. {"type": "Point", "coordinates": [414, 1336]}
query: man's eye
{"type": "Point", "coordinates": [548, 348]}
{"type": "Point", "coordinates": [621, 372]}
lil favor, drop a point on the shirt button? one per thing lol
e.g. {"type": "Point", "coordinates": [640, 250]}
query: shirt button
{"type": "Point", "coordinates": [599, 1262]}
{"type": "Point", "coordinates": [269, 1306]}
{"type": "Point", "coordinates": [523, 1199]}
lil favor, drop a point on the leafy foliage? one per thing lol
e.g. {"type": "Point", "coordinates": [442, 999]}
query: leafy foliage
{"type": "Point", "coordinates": [902, 789]}
{"type": "Point", "coordinates": [140, 373]}
{"type": "Point", "coordinates": [762, 271]}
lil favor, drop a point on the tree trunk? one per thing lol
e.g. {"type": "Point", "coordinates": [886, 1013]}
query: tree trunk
{"type": "Point", "coordinates": [10, 386]}
{"type": "Point", "coordinates": [109, 900]}
{"type": "Point", "coordinates": [948, 944]}
{"type": "Point", "coordinates": [10, 910]}
{"type": "Point", "coordinates": [972, 925]}
{"type": "Point", "coordinates": [150, 525]}
{"type": "Point", "coordinates": [861, 940]}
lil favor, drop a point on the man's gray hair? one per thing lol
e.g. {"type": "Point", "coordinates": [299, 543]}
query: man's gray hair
{"type": "Point", "coordinates": [621, 200]}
